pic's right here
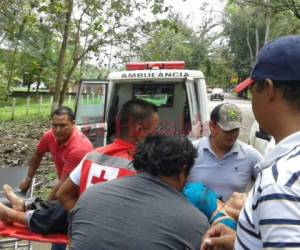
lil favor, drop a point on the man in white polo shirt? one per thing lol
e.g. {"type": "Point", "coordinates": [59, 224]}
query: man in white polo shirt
{"type": "Point", "coordinates": [224, 163]}
{"type": "Point", "coordinates": [270, 218]}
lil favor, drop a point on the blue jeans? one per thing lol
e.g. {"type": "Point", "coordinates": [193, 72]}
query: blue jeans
{"type": "Point", "coordinates": [58, 247]}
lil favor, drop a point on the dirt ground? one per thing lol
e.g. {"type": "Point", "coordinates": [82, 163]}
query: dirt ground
{"type": "Point", "coordinates": [17, 144]}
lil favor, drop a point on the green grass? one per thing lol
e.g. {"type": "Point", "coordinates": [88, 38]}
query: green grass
{"type": "Point", "coordinates": [94, 100]}
{"type": "Point", "coordinates": [42, 192]}
{"type": "Point", "coordinates": [51, 176]}
{"type": "Point", "coordinates": [158, 100]}
{"type": "Point", "coordinates": [35, 111]}
{"type": "Point", "coordinates": [24, 89]}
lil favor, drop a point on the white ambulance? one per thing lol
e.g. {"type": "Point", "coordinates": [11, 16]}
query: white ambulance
{"type": "Point", "coordinates": [179, 94]}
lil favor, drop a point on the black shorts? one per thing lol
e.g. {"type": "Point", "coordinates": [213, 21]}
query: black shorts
{"type": "Point", "coordinates": [49, 218]}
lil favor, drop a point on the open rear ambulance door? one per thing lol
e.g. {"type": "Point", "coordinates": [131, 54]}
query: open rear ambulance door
{"type": "Point", "coordinates": [90, 110]}
{"type": "Point", "coordinates": [194, 107]}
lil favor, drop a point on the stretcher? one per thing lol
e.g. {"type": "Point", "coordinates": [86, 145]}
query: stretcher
{"type": "Point", "coordinates": [15, 236]}
{"type": "Point", "coordinates": [21, 232]}
{"type": "Point", "coordinates": [18, 231]}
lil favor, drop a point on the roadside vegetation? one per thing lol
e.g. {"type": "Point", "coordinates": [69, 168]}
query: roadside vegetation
{"type": "Point", "coordinates": [23, 110]}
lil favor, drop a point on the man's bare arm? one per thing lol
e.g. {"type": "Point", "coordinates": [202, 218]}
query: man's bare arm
{"type": "Point", "coordinates": [33, 166]}
{"type": "Point", "coordinates": [68, 194]}
{"type": "Point", "coordinates": [52, 195]}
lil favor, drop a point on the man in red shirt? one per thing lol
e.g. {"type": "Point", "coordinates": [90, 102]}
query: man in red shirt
{"type": "Point", "coordinates": [66, 145]}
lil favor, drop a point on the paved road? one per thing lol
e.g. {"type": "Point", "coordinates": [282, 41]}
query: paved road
{"type": "Point", "coordinates": [245, 106]}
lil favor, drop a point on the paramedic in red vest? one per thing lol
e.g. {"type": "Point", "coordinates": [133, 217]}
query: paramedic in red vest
{"type": "Point", "coordinates": [66, 145]}
{"type": "Point", "coordinates": [135, 120]}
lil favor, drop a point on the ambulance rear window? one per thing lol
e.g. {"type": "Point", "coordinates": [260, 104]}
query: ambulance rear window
{"type": "Point", "coordinates": [159, 94]}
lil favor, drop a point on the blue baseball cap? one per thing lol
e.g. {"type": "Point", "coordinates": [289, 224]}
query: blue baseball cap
{"type": "Point", "coordinates": [278, 60]}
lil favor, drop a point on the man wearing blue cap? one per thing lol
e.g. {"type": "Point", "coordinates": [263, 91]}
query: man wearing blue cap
{"type": "Point", "coordinates": [270, 218]}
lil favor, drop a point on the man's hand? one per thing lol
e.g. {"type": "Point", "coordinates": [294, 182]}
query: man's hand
{"type": "Point", "coordinates": [218, 237]}
{"type": "Point", "coordinates": [234, 205]}
{"type": "Point", "coordinates": [25, 185]}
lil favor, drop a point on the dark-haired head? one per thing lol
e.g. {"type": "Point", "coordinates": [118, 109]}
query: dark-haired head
{"type": "Point", "coordinates": [63, 122]}
{"type": "Point", "coordinates": [64, 111]}
{"type": "Point", "coordinates": [165, 156]}
{"type": "Point", "coordinates": [214, 115]}
{"type": "Point", "coordinates": [137, 118]}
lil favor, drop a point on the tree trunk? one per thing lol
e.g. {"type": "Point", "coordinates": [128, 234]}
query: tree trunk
{"type": "Point", "coordinates": [267, 32]}
{"type": "Point", "coordinates": [81, 67]}
{"type": "Point", "coordinates": [70, 73]}
{"type": "Point", "coordinates": [268, 24]}
{"type": "Point", "coordinates": [249, 46]}
{"type": "Point", "coordinates": [61, 61]}
{"type": "Point", "coordinates": [11, 70]}
{"type": "Point", "coordinates": [38, 86]}
{"type": "Point", "coordinates": [28, 89]}
{"type": "Point", "coordinates": [257, 41]}
{"type": "Point", "coordinates": [293, 6]}
{"type": "Point", "coordinates": [66, 82]}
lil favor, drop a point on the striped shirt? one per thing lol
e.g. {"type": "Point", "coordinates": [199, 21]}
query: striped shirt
{"type": "Point", "coordinates": [271, 216]}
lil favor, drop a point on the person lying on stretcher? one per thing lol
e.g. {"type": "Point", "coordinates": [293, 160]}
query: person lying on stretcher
{"type": "Point", "coordinates": [198, 194]}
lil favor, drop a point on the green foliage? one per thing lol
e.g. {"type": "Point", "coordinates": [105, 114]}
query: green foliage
{"type": "Point", "coordinates": [30, 54]}
{"type": "Point", "coordinates": [173, 40]}
{"type": "Point", "coordinates": [237, 28]}
{"type": "Point", "coordinates": [51, 176]}
{"type": "Point", "coordinates": [3, 93]}
{"type": "Point", "coordinates": [246, 25]}
{"type": "Point", "coordinates": [32, 31]}
{"type": "Point", "coordinates": [219, 70]}
{"type": "Point", "coordinates": [158, 7]}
